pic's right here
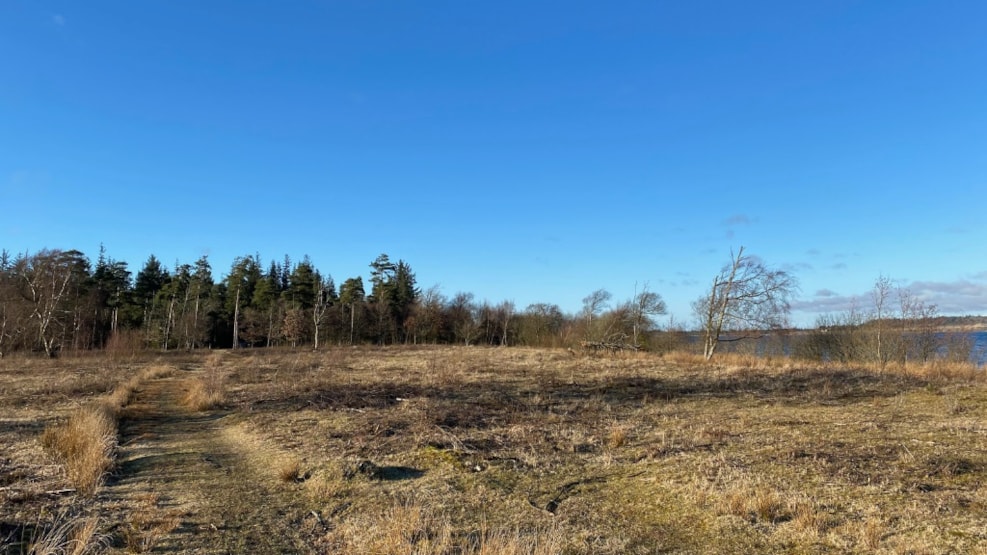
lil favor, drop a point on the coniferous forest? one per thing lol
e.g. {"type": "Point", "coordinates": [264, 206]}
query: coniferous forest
{"type": "Point", "coordinates": [59, 300]}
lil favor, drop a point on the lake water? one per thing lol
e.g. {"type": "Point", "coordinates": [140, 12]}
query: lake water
{"type": "Point", "coordinates": [979, 347]}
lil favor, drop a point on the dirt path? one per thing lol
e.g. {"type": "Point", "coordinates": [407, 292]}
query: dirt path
{"type": "Point", "coordinates": [182, 487]}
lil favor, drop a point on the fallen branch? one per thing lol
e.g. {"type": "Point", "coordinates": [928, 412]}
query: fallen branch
{"type": "Point", "coordinates": [609, 346]}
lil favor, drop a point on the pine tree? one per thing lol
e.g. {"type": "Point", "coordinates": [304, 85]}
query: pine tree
{"type": "Point", "coordinates": [240, 284]}
{"type": "Point", "coordinates": [351, 295]}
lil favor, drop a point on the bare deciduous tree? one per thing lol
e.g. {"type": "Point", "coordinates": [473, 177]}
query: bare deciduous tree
{"type": "Point", "coordinates": [593, 305]}
{"type": "Point", "coordinates": [429, 314]}
{"type": "Point", "coordinates": [746, 299]}
{"type": "Point", "coordinates": [294, 326]}
{"type": "Point", "coordinates": [645, 306]}
{"type": "Point", "coordinates": [47, 277]}
{"type": "Point", "coordinates": [883, 288]}
{"type": "Point", "coordinates": [922, 323]}
{"type": "Point", "coordinates": [323, 299]}
{"type": "Point", "coordinates": [14, 310]}
{"type": "Point", "coordinates": [463, 315]}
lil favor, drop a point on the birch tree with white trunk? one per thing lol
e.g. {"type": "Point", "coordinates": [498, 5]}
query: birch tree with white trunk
{"type": "Point", "coordinates": [746, 299]}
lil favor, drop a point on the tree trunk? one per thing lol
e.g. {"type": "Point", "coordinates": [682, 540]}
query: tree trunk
{"type": "Point", "coordinates": [236, 320]}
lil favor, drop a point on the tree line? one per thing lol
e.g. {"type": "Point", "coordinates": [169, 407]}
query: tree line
{"type": "Point", "coordinates": [54, 300]}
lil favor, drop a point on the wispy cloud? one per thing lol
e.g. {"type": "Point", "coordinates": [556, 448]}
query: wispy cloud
{"type": "Point", "coordinates": [25, 182]}
{"type": "Point", "coordinates": [826, 293]}
{"type": "Point", "coordinates": [58, 19]}
{"type": "Point", "coordinates": [813, 252]}
{"type": "Point", "coordinates": [798, 267]}
{"type": "Point", "coordinates": [738, 219]}
{"type": "Point", "coordinates": [830, 304]}
{"type": "Point", "coordinates": [735, 221]}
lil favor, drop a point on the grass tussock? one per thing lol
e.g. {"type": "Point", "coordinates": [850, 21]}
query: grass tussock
{"type": "Point", "coordinates": [757, 503]}
{"type": "Point", "coordinates": [207, 392]}
{"type": "Point", "coordinates": [85, 445]}
{"type": "Point", "coordinates": [543, 541]}
{"type": "Point", "coordinates": [411, 528]}
{"type": "Point", "coordinates": [871, 533]}
{"type": "Point", "coordinates": [290, 470]}
{"type": "Point", "coordinates": [327, 484]}
{"type": "Point", "coordinates": [147, 524]}
{"type": "Point", "coordinates": [68, 535]}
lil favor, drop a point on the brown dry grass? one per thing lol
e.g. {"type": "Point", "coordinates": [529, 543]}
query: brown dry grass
{"type": "Point", "coordinates": [67, 535]}
{"type": "Point", "coordinates": [412, 528]}
{"type": "Point", "coordinates": [86, 441]}
{"type": "Point", "coordinates": [84, 444]}
{"type": "Point", "coordinates": [209, 391]}
{"type": "Point", "coordinates": [623, 454]}
{"type": "Point", "coordinates": [147, 524]}
{"type": "Point", "coordinates": [290, 470]}
{"type": "Point", "coordinates": [473, 450]}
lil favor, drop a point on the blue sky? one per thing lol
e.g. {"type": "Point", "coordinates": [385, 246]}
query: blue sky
{"type": "Point", "coordinates": [525, 151]}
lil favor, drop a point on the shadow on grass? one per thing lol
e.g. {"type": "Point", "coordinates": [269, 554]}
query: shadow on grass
{"type": "Point", "coordinates": [396, 473]}
{"type": "Point", "coordinates": [15, 538]}
{"type": "Point", "coordinates": [482, 400]}
{"type": "Point", "coordinates": [27, 427]}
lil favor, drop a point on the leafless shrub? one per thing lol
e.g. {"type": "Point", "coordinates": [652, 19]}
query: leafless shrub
{"type": "Point", "coordinates": [125, 344]}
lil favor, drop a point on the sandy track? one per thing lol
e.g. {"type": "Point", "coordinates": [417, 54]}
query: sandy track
{"type": "Point", "coordinates": [197, 482]}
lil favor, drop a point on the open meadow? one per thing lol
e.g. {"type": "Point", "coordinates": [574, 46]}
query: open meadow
{"type": "Point", "coordinates": [446, 450]}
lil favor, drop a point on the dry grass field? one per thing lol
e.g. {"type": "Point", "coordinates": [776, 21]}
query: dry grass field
{"type": "Point", "coordinates": [450, 450]}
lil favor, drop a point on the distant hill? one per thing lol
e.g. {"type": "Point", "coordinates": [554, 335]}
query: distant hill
{"type": "Point", "coordinates": [944, 323]}
{"type": "Point", "coordinates": [964, 323]}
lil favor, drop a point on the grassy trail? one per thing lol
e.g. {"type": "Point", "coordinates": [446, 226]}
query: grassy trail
{"type": "Point", "coordinates": [182, 487]}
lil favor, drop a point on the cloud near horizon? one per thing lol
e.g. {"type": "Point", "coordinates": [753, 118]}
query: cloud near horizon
{"type": "Point", "coordinates": [953, 298]}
